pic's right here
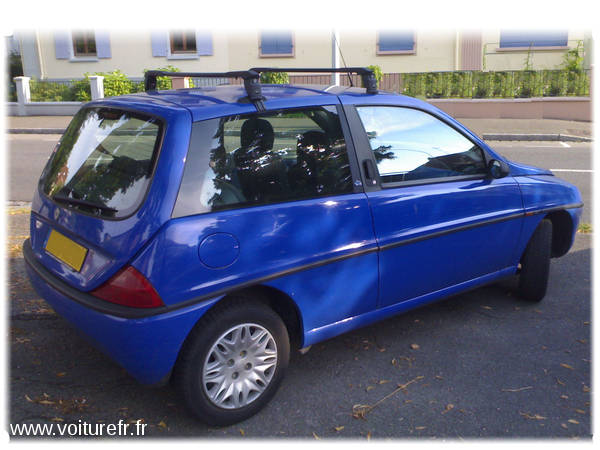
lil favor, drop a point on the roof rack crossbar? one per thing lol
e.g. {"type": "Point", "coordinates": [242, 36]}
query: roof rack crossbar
{"type": "Point", "coordinates": [368, 77]}
{"type": "Point", "coordinates": [251, 81]}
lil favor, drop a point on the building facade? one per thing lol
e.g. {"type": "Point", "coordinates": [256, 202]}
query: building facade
{"type": "Point", "coordinates": [65, 55]}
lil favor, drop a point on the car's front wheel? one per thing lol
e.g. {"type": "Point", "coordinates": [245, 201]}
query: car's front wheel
{"type": "Point", "coordinates": [233, 361]}
{"type": "Point", "coordinates": [535, 264]}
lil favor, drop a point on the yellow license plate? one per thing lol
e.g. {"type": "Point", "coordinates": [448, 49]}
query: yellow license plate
{"type": "Point", "coordinates": [66, 250]}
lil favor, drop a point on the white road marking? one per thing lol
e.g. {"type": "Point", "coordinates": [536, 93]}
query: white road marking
{"type": "Point", "coordinates": [573, 170]}
{"type": "Point", "coordinates": [564, 144]}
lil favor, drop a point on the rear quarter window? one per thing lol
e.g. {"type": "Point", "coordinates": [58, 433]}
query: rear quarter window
{"type": "Point", "coordinates": [104, 162]}
{"type": "Point", "coordinates": [258, 159]}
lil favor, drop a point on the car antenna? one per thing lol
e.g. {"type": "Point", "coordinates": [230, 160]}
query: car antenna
{"type": "Point", "coordinates": [343, 60]}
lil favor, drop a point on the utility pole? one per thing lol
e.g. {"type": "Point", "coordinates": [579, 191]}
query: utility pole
{"type": "Point", "coordinates": [335, 56]}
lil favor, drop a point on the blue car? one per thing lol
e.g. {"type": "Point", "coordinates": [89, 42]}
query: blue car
{"type": "Point", "coordinates": [202, 234]}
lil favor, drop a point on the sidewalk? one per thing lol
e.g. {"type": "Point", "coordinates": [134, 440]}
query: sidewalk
{"type": "Point", "coordinates": [489, 129]}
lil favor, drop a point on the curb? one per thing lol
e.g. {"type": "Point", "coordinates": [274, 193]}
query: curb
{"type": "Point", "coordinates": [534, 137]}
{"type": "Point", "coordinates": [36, 130]}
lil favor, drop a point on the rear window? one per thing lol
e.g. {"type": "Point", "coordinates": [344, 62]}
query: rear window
{"type": "Point", "coordinates": [104, 162]}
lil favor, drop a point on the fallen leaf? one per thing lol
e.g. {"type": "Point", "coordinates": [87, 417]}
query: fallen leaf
{"type": "Point", "coordinates": [28, 398]}
{"type": "Point", "coordinates": [384, 381]}
{"type": "Point", "coordinates": [57, 419]}
{"type": "Point", "coordinates": [580, 411]}
{"type": "Point", "coordinates": [382, 349]}
{"type": "Point", "coordinates": [162, 424]}
{"type": "Point", "coordinates": [316, 437]}
{"type": "Point", "coordinates": [420, 428]}
{"type": "Point", "coordinates": [486, 307]}
{"type": "Point", "coordinates": [564, 425]}
{"type": "Point", "coordinates": [582, 341]}
{"type": "Point", "coordinates": [415, 346]}
{"type": "Point", "coordinates": [340, 428]}
{"type": "Point", "coordinates": [369, 436]}
{"type": "Point", "coordinates": [533, 417]}
{"type": "Point", "coordinates": [586, 323]}
{"type": "Point", "coordinates": [370, 388]}
{"type": "Point", "coordinates": [518, 390]}
{"type": "Point", "coordinates": [566, 366]}
{"type": "Point", "coordinates": [46, 402]}
{"type": "Point", "coordinates": [560, 382]}
{"type": "Point", "coordinates": [573, 421]}
{"type": "Point", "coordinates": [243, 433]}
{"type": "Point", "coordinates": [439, 377]}
{"type": "Point", "coordinates": [564, 397]}
{"type": "Point", "coordinates": [449, 407]}
{"type": "Point", "coordinates": [61, 374]}
{"type": "Point", "coordinates": [586, 388]}
{"type": "Point", "coordinates": [394, 362]}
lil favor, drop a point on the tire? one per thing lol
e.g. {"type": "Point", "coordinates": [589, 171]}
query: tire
{"type": "Point", "coordinates": [218, 372]}
{"type": "Point", "coordinates": [535, 264]}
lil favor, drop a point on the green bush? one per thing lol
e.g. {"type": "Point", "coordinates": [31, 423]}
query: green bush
{"type": "Point", "coordinates": [500, 84]}
{"type": "Point", "coordinates": [377, 72]}
{"type": "Point", "coordinates": [274, 78]}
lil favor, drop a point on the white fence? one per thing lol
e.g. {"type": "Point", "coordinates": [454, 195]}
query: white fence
{"type": "Point", "coordinates": [25, 107]}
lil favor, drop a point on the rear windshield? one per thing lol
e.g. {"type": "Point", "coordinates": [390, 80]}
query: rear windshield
{"type": "Point", "coordinates": [104, 162]}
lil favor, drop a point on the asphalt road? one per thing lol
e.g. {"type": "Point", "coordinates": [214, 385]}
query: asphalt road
{"type": "Point", "coordinates": [485, 364]}
{"type": "Point", "coordinates": [28, 154]}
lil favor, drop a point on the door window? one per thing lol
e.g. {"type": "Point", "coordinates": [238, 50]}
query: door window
{"type": "Point", "coordinates": [411, 145]}
{"type": "Point", "coordinates": [258, 159]}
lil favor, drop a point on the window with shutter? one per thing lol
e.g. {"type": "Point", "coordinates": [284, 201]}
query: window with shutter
{"type": "Point", "coordinates": [515, 39]}
{"type": "Point", "coordinates": [276, 43]}
{"type": "Point", "coordinates": [398, 42]}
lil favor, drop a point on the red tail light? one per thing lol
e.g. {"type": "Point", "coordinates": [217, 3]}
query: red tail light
{"type": "Point", "coordinates": [129, 288]}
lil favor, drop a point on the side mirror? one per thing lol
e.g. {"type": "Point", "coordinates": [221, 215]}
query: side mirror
{"type": "Point", "coordinates": [498, 169]}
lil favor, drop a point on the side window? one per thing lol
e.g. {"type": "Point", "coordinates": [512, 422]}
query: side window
{"type": "Point", "coordinates": [412, 145]}
{"type": "Point", "coordinates": [259, 159]}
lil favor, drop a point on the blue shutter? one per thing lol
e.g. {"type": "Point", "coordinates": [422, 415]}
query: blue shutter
{"type": "Point", "coordinates": [103, 44]}
{"type": "Point", "coordinates": [534, 39]}
{"type": "Point", "coordinates": [62, 44]}
{"type": "Point", "coordinates": [204, 45]}
{"type": "Point", "coordinates": [159, 43]}
{"type": "Point", "coordinates": [394, 41]}
{"type": "Point", "coordinates": [276, 43]}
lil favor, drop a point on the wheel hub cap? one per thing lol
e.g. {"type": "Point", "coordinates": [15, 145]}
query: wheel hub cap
{"type": "Point", "coordinates": [239, 366]}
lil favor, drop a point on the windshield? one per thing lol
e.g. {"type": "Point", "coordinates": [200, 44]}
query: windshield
{"type": "Point", "coordinates": [103, 163]}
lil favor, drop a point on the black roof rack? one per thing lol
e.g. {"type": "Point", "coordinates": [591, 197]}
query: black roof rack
{"type": "Point", "coordinates": [251, 81]}
{"type": "Point", "coordinates": [367, 75]}
{"type": "Point", "coordinates": [252, 78]}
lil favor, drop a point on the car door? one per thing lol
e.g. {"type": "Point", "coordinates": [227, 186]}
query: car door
{"type": "Point", "coordinates": [441, 222]}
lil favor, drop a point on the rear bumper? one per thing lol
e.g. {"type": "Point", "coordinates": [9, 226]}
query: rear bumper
{"type": "Point", "coordinates": [147, 347]}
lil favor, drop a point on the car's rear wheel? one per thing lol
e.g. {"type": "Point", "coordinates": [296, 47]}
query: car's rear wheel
{"type": "Point", "coordinates": [233, 362]}
{"type": "Point", "coordinates": [535, 264]}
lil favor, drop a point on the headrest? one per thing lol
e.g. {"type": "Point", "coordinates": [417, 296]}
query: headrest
{"type": "Point", "coordinates": [257, 132]}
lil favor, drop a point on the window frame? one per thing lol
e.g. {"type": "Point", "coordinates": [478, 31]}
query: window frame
{"type": "Point", "coordinates": [357, 186]}
{"type": "Point", "coordinates": [85, 35]}
{"type": "Point", "coordinates": [364, 150]}
{"type": "Point", "coordinates": [412, 51]}
{"type": "Point", "coordinates": [292, 54]}
{"type": "Point", "coordinates": [183, 33]}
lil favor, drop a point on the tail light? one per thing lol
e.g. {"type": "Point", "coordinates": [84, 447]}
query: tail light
{"type": "Point", "coordinates": [128, 287]}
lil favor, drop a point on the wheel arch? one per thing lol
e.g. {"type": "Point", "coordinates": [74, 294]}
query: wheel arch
{"type": "Point", "coordinates": [562, 232]}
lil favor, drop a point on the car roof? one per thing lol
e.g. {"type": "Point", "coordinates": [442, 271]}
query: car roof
{"type": "Point", "coordinates": [216, 101]}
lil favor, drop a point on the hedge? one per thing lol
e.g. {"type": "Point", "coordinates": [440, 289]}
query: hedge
{"type": "Point", "coordinates": [459, 84]}
{"type": "Point", "coordinates": [501, 84]}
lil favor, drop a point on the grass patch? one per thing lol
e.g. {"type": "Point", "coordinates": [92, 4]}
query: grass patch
{"type": "Point", "coordinates": [584, 228]}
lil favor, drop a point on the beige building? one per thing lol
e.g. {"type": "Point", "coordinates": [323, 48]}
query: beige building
{"type": "Point", "coordinates": [69, 54]}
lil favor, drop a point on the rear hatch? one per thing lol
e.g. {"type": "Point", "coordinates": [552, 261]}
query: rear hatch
{"type": "Point", "coordinates": [101, 195]}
